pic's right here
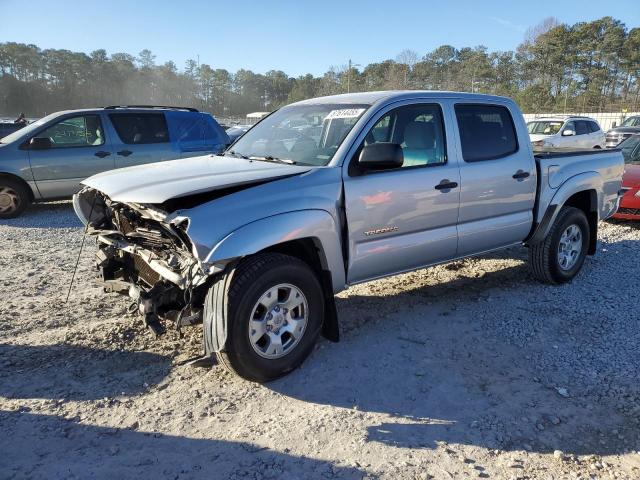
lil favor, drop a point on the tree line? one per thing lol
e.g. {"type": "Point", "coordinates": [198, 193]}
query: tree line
{"type": "Point", "coordinates": [588, 66]}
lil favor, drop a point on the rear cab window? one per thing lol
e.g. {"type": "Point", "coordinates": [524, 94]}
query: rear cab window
{"type": "Point", "coordinates": [140, 128]}
{"type": "Point", "coordinates": [487, 132]}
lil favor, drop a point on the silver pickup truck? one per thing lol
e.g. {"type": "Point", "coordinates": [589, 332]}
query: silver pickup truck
{"type": "Point", "coordinates": [330, 192]}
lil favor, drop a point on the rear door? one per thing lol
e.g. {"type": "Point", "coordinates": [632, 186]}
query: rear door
{"type": "Point", "coordinates": [402, 219]}
{"type": "Point", "coordinates": [141, 137]}
{"type": "Point", "coordinates": [79, 148]}
{"type": "Point", "coordinates": [498, 178]}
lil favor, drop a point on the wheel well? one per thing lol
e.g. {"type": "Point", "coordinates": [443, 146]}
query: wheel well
{"type": "Point", "coordinates": [307, 250]}
{"type": "Point", "coordinates": [21, 181]}
{"type": "Point", "coordinates": [587, 201]}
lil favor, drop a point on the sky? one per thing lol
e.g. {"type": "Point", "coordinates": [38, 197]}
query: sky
{"type": "Point", "coordinates": [297, 37]}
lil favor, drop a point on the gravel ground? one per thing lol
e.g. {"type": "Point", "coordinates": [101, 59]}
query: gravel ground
{"type": "Point", "coordinates": [466, 370]}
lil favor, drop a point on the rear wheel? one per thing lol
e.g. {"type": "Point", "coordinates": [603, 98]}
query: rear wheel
{"type": "Point", "coordinates": [14, 198]}
{"type": "Point", "coordinates": [274, 307]}
{"type": "Point", "coordinates": [560, 256]}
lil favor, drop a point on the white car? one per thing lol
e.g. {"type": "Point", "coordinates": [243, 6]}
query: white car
{"type": "Point", "coordinates": [565, 132]}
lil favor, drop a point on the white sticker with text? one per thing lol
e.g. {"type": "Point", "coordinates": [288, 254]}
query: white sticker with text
{"type": "Point", "coordinates": [345, 113]}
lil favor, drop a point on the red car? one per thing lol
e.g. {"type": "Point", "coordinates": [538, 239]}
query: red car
{"type": "Point", "coordinates": [630, 203]}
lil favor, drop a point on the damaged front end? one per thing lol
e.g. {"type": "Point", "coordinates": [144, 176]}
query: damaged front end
{"type": "Point", "coordinates": [145, 253]}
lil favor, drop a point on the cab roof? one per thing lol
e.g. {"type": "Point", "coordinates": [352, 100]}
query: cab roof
{"type": "Point", "coordinates": [560, 118]}
{"type": "Point", "coordinates": [370, 98]}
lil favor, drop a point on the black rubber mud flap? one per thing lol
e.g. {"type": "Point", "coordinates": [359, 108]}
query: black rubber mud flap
{"type": "Point", "coordinates": [330, 325]}
{"type": "Point", "coordinates": [215, 315]}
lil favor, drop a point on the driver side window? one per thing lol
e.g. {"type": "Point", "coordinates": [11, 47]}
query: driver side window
{"type": "Point", "coordinates": [569, 126]}
{"type": "Point", "coordinates": [81, 131]}
{"type": "Point", "coordinates": [418, 129]}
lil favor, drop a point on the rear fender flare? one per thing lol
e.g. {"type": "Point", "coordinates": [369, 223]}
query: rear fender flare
{"type": "Point", "coordinates": [580, 183]}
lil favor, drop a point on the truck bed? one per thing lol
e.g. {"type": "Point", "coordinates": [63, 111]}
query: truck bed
{"type": "Point", "coordinates": [599, 170]}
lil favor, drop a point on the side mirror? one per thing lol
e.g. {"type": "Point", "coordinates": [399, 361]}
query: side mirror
{"type": "Point", "coordinates": [381, 156]}
{"type": "Point", "coordinates": [614, 124]}
{"type": "Point", "coordinates": [40, 143]}
{"type": "Point", "coordinates": [568, 132]}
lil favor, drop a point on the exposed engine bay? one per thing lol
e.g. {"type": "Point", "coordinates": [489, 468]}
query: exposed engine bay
{"type": "Point", "coordinates": [143, 252]}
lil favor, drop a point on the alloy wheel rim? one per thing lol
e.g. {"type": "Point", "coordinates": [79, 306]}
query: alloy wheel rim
{"type": "Point", "coordinates": [9, 200]}
{"type": "Point", "coordinates": [569, 247]}
{"type": "Point", "coordinates": [278, 321]}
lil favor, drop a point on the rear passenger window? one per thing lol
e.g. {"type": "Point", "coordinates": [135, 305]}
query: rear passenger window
{"type": "Point", "coordinates": [140, 128]}
{"type": "Point", "coordinates": [486, 132]}
{"type": "Point", "coordinates": [594, 127]}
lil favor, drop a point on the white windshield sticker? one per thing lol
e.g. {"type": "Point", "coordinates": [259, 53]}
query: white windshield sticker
{"type": "Point", "coordinates": [345, 113]}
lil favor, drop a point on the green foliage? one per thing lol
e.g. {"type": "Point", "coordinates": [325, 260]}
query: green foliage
{"type": "Point", "coordinates": [588, 66]}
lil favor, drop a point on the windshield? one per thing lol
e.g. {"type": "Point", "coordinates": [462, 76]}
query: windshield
{"type": "Point", "coordinates": [301, 134]}
{"type": "Point", "coordinates": [544, 128]}
{"type": "Point", "coordinates": [631, 150]}
{"type": "Point", "coordinates": [28, 129]}
{"type": "Point", "coordinates": [631, 122]}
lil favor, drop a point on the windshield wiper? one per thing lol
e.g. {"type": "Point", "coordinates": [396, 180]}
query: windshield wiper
{"type": "Point", "coordinates": [235, 154]}
{"type": "Point", "coordinates": [269, 158]}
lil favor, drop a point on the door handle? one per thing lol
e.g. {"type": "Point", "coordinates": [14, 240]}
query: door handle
{"type": "Point", "coordinates": [520, 174]}
{"type": "Point", "coordinates": [124, 153]}
{"type": "Point", "coordinates": [446, 185]}
{"type": "Point", "coordinates": [102, 154]}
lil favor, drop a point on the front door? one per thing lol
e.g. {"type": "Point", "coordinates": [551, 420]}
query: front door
{"type": "Point", "coordinates": [79, 149]}
{"type": "Point", "coordinates": [498, 179]}
{"type": "Point", "coordinates": [404, 218]}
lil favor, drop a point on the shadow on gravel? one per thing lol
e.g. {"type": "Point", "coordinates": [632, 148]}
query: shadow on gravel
{"type": "Point", "coordinates": [54, 447]}
{"type": "Point", "coordinates": [634, 224]}
{"type": "Point", "coordinates": [440, 377]}
{"type": "Point", "coordinates": [77, 373]}
{"type": "Point", "coordinates": [46, 215]}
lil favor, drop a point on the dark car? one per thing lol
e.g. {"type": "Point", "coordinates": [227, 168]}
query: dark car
{"type": "Point", "coordinates": [9, 127]}
{"type": "Point", "coordinates": [629, 127]}
{"type": "Point", "coordinates": [236, 131]}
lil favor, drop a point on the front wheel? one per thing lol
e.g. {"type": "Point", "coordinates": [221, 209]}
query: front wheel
{"type": "Point", "coordinates": [274, 306]}
{"type": "Point", "coordinates": [14, 198]}
{"type": "Point", "coordinates": [560, 256]}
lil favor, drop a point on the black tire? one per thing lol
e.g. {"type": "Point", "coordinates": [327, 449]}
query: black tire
{"type": "Point", "coordinates": [14, 197]}
{"type": "Point", "coordinates": [251, 279]}
{"type": "Point", "coordinates": [543, 256]}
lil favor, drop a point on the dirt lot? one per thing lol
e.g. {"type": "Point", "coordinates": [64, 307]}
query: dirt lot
{"type": "Point", "coordinates": [467, 370]}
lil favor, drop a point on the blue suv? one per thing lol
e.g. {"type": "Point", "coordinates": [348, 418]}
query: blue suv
{"type": "Point", "coordinates": [48, 159]}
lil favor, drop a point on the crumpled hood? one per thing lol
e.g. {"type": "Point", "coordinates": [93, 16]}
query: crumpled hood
{"type": "Point", "coordinates": [159, 182]}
